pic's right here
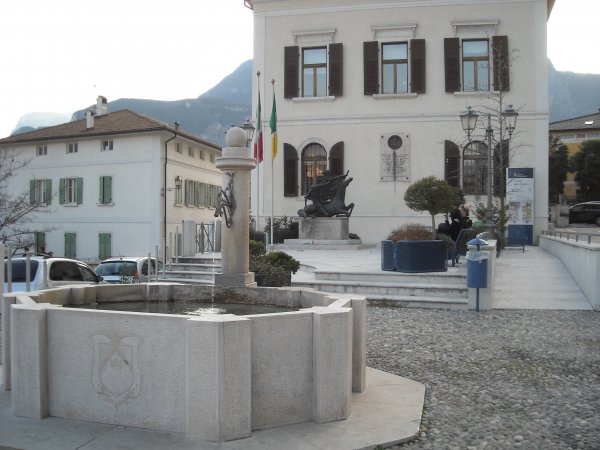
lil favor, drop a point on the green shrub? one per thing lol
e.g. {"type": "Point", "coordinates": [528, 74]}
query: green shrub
{"type": "Point", "coordinates": [267, 274]}
{"type": "Point", "coordinates": [283, 228]}
{"type": "Point", "coordinates": [283, 260]}
{"type": "Point", "coordinates": [256, 249]}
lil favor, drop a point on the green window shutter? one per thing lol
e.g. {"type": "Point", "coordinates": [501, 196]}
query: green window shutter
{"type": "Point", "coordinates": [371, 67]}
{"type": "Point", "coordinates": [196, 193]}
{"type": "Point", "coordinates": [70, 245]}
{"type": "Point", "coordinates": [79, 191]}
{"type": "Point", "coordinates": [105, 190]}
{"type": "Point", "coordinates": [336, 70]}
{"type": "Point", "coordinates": [61, 192]}
{"type": "Point", "coordinates": [40, 240]}
{"type": "Point", "coordinates": [105, 241]}
{"type": "Point", "coordinates": [48, 193]}
{"type": "Point", "coordinates": [31, 192]}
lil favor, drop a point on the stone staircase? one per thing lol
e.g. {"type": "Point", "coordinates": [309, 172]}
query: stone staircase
{"type": "Point", "coordinates": [425, 290]}
{"type": "Point", "coordinates": [193, 269]}
{"type": "Point", "coordinates": [447, 290]}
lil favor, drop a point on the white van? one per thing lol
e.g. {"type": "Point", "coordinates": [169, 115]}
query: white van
{"type": "Point", "coordinates": [58, 272]}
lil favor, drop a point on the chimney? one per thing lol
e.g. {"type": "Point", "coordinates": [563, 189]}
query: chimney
{"type": "Point", "coordinates": [101, 105]}
{"type": "Point", "coordinates": [89, 119]}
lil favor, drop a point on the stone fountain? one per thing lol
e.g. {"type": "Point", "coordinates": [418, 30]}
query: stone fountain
{"type": "Point", "coordinates": [214, 378]}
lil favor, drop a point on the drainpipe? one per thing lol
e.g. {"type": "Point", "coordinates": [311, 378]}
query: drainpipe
{"type": "Point", "coordinates": [165, 195]}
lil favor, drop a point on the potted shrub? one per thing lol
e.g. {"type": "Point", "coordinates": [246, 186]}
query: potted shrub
{"type": "Point", "coordinates": [412, 246]}
{"type": "Point", "coordinates": [415, 249]}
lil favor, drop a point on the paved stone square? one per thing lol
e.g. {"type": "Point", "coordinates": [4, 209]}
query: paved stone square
{"type": "Point", "coordinates": [499, 379]}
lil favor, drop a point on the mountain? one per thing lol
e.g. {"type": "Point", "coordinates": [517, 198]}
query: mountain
{"type": "Point", "coordinates": [35, 120]}
{"type": "Point", "coordinates": [208, 116]}
{"type": "Point", "coordinates": [572, 94]}
{"type": "Point", "coordinates": [230, 102]}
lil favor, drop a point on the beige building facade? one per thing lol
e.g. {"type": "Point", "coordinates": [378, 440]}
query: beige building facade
{"type": "Point", "coordinates": [376, 88]}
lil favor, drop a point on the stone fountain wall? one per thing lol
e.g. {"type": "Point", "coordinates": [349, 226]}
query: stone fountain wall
{"type": "Point", "coordinates": [214, 378]}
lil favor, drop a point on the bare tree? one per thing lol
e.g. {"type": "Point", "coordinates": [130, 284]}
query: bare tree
{"type": "Point", "coordinates": [16, 210]}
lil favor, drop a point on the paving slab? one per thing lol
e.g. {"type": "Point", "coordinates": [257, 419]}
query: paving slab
{"type": "Point", "coordinates": [388, 412]}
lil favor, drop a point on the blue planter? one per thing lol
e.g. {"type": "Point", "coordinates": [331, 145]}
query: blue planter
{"type": "Point", "coordinates": [387, 255]}
{"type": "Point", "coordinates": [420, 256]}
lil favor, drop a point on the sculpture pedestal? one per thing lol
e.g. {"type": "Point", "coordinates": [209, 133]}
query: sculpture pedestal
{"type": "Point", "coordinates": [323, 229]}
{"type": "Point", "coordinates": [323, 233]}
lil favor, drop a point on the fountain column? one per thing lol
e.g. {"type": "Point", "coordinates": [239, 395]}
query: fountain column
{"type": "Point", "coordinates": [234, 208]}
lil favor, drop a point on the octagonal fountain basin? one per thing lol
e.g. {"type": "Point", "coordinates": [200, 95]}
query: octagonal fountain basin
{"type": "Point", "coordinates": [213, 377]}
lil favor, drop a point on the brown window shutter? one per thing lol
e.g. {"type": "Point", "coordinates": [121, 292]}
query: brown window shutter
{"type": "Point", "coordinates": [452, 64]}
{"type": "Point", "coordinates": [336, 159]}
{"type": "Point", "coordinates": [371, 67]}
{"type": "Point", "coordinates": [336, 70]}
{"type": "Point", "coordinates": [417, 66]}
{"type": "Point", "coordinates": [452, 164]}
{"type": "Point", "coordinates": [291, 61]}
{"type": "Point", "coordinates": [290, 171]}
{"type": "Point", "coordinates": [501, 63]}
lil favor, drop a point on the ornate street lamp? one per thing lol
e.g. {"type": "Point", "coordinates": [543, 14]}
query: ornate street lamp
{"type": "Point", "coordinates": [468, 120]}
{"type": "Point", "coordinates": [510, 120]}
{"type": "Point", "coordinates": [249, 130]}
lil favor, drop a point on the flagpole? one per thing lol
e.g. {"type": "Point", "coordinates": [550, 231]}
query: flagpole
{"type": "Point", "coordinates": [257, 163]}
{"type": "Point", "coordinates": [273, 124]}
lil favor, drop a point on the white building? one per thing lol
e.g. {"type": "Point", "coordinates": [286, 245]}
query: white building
{"type": "Point", "coordinates": [115, 183]}
{"type": "Point", "coordinates": [376, 87]}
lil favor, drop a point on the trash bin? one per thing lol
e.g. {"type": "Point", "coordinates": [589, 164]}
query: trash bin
{"type": "Point", "coordinates": [477, 262]}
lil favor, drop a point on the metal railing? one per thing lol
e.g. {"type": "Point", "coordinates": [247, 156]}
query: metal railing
{"type": "Point", "coordinates": [205, 237]}
{"type": "Point", "coordinates": [568, 235]}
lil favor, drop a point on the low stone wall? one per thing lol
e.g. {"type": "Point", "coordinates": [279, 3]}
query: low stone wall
{"type": "Point", "coordinates": [581, 260]}
{"type": "Point", "coordinates": [214, 378]}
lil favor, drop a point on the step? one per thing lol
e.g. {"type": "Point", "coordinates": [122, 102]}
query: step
{"type": "Point", "coordinates": [208, 259]}
{"type": "Point", "coordinates": [186, 275]}
{"type": "Point", "coordinates": [451, 277]}
{"type": "Point", "coordinates": [195, 267]}
{"type": "Point", "coordinates": [403, 301]}
{"type": "Point", "coordinates": [173, 279]}
{"type": "Point", "coordinates": [386, 289]}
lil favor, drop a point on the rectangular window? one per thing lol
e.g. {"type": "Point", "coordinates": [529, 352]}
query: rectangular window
{"type": "Point", "coordinates": [212, 158]}
{"type": "Point", "coordinates": [71, 191]}
{"type": "Point", "coordinates": [104, 245]}
{"type": "Point", "coordinates": [70, 245]}
{"type": "Point", "coordinates": [42, 150]}
{"type": "Point", "coordinates": [105, 190]}
{"type": "Point", "coordinates": [178, 147]}
{"type": "Point", "coordinates": [201, 154]}
{"type": "Point", "coordinates": [394, 68]}
{"type": "Point", "coordinates": [40, 192]}
{"type": "Point", "coordinates": [314, 72]}
{"type": "Point", "coordinates": [475, 63]}
{"type": "Point", "coordinates": [191, 151]}
{"type": "Point", "coordinates": [72, 147]}
{"type": "Point", "coordinates": [106, 146]}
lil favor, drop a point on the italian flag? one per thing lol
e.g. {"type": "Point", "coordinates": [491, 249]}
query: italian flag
{"type": "Point", "coordinates": [258, 143]}
{"type": "Point", "coordinates": [273, 126]}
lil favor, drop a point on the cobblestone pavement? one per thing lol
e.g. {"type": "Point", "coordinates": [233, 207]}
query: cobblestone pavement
{"type": "Point", "coordinates": [496, 379]}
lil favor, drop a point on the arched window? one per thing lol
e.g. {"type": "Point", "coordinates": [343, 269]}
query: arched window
{"type": "Point", "coordinates": [452, 163]}
{"type": "Point", "coordinates": [475, 170]}
{"type": "Point", "coordinates": [314, 163]}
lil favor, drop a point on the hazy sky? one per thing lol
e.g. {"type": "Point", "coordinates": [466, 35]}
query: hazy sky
{"type": "Point", "coordinates": [59, 55]}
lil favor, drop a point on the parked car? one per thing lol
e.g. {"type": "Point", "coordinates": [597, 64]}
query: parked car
{"type": "Point", "coordinates": [127, 270]}
{"type": "Point", "coordinates": [588, 212]}
{"type": "Point", "coordinates": [59, 272]}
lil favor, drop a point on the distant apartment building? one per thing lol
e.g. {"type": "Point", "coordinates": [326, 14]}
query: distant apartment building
{"type": "Point", "coordinates": [115, 183]}
{"type": "Point", "coordinates": [572, 133]}
{"type": "Point", "coordinates": [376, 87]}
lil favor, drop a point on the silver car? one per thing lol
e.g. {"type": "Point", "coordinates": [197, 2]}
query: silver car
{"type": "Point", "coordinates": [127, 270]}
{"type": "Point", "coordinates": [46, 273]}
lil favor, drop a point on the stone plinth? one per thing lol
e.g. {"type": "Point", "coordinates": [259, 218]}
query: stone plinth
{"type": "Point", "coordinates": [324, 228]}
